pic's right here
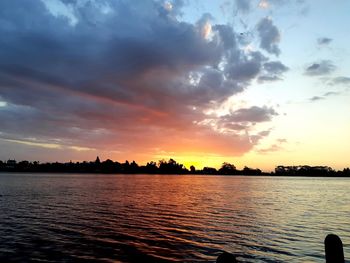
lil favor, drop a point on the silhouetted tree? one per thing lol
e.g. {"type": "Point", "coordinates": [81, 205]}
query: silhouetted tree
{"type": "Point", "coordinates": [249, 171]}
{"type": "Point", "coordinates": [151, 167]}
{"type": "Point", "coordinates": [228, 169]}
{"type": "Point", "coordinates": [304, 170]}
{"type": "Point", "coordinates": [209, 170]}
{"type": "Point", "coordinates": [125, 167]}
{"type": "Point", "coordinates": [170, 167]}
{"type": "Point", "coordinates": [133, 168]}
{"type": "Point", "coordinates": [192, 169]}
{"type": "Point", "coordinates": [108, 166]}
{"type": "Point", "coordinates": [163, 167]}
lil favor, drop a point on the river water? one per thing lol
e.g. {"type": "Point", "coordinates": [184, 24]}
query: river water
{"type": "Point", "coordinates": [169, 218]}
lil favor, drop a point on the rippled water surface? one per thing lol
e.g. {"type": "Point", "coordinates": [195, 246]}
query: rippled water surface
{"type": "Point", "coordinates": [169, 218]}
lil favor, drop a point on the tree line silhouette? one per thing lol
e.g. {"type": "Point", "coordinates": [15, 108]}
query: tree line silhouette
{"type": "Point", "coordinates": [162, 167]}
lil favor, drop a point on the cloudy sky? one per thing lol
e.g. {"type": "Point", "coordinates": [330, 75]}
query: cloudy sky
{"type": "Point", "coordinates": [252, 82]}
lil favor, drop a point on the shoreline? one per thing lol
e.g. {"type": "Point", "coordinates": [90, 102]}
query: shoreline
{"type": "Point", "coordinates": [173, 174]}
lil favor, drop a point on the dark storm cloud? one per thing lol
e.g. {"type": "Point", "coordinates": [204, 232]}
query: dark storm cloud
{"type": "Point", "coordinates": [323, 41]}
{"type": "Point", "coordinates": [275, 67]}
{"type": "Point", "coordinates": [227, 36]}
{"type": "Point", "coordinates": [246, 69]}
{"type": "Point", "coordinates": [272, 71]}
{"type": "Point", "coordinates": [269, 36]}
{"type": "Point", "coordinates": [251, 115]}
{"type": "Point", "coordinates": [243, 5]}
{"type": "Point", "coordinates": [243, 121]}
{"type": "Point", "coordinates": [323, 67]}
{"type": "Point", "coordinates": [106, 70]}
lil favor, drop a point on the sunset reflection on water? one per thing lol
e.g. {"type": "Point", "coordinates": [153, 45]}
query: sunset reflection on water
{"type": "Point", "coordinates": [170, 218]}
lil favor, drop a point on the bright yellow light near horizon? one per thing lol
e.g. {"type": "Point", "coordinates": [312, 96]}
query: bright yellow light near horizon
{"type": "Point", "coordinates": [198, 161]}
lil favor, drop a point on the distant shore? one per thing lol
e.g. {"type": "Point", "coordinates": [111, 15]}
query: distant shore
{"type": "Point", "coordinates": [164, 167]}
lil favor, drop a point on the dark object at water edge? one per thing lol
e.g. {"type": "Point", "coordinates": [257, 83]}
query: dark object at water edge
{"type": "Point", "coordinates": [333, 249]}
{"type": "Point", "coordinates": [226, 258]}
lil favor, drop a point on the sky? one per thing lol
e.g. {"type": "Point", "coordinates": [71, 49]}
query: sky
{"type": "Point", "coordinates": [256, 83]}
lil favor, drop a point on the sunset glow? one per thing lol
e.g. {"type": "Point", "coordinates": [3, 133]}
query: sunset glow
{"type": "Point", "coordinates": [254, 83]}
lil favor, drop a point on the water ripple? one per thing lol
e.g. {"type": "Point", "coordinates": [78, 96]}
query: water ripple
{"type": "Point", "coordinates": [128, 218]}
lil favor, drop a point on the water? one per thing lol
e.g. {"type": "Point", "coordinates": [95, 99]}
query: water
{"type": "Point", "coordinates": [169, 218]}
